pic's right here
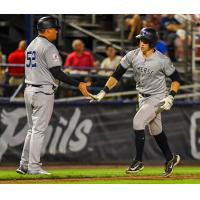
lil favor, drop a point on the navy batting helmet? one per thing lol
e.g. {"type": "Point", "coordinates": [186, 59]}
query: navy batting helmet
{"type": "Point", "coordinates": [150, 35]}
{"type": "Point", "coordinates": [47, 22]}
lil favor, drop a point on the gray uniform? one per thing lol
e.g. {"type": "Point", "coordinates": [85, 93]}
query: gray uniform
{"type": "Point", "coordinates": [41, 55]}
{"type": "Point", "coordinates": [149, 74]}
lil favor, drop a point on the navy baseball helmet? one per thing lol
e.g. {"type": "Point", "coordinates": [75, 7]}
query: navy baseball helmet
{"type": "Point", "coordinates": [47, 22]}
{"type": "Point", "coordinates": [149, 35]}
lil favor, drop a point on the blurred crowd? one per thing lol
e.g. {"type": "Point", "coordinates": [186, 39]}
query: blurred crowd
{"type": "Point", "coordinates": [81, 63]}
{"type": "Point", "coordinates": [174, 37]}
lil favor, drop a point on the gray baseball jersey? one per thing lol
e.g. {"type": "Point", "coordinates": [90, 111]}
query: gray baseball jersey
{"type": "Point", "coordinates": [40, 56]}
{"type": "Point", "coordinates": [149, 73]}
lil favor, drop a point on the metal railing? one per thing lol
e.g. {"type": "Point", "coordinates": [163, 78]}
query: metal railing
{"type": "Point", "coordinates": [195, 58]}
{"type": "Point", "coordinates": [90, 33]}
{"type": "Point", "coordinates": [95, 36]}
{"type": "Point", "coordinates": [134, 93]}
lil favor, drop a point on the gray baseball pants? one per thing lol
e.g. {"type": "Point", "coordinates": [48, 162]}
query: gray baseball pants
{"type": "Point", "coordinates": [39, 107]}
{"type": "Point", "coordinates": [146, 115]}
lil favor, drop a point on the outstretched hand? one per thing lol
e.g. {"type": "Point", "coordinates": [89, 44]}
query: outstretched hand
{"type": "Point", "coordinates": [97, 97]}
{"type": "Point", "coordinates": [83, 88]}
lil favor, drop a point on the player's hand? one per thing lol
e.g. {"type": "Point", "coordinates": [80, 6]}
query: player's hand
{"type": "Point", "coordinates": [167, 102]}
{"type": "Point", "coordinates": [97, 97]}
{"type": "Point", "coordinates": [83, 88]}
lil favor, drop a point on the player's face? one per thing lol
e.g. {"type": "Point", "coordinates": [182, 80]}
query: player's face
{"type": "Point", "coordinates": [52, 33]}
{"type": "Point", "coordinates": [144, 46]}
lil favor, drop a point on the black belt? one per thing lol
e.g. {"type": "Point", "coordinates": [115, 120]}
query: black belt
{"type": "Point", "coordinates": [34, 85]}
{"type": "Point", "coordinates": [145, 95]}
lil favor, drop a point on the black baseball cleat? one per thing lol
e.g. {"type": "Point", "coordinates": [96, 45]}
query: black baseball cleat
{"type": "Point", "coordinates": [22, 170]}
{"type": "Point", "coordinates": [135, 167]}
{"type": "Point", "coordinates": [169, 166]}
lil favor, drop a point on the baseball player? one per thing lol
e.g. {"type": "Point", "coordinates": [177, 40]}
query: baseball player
{"type": "Point", "coordinates": [150, 68]}
{"type": "Point", "coordinates": [42, 70]}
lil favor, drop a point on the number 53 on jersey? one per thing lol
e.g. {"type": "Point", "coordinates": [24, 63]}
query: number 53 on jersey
{"type": "Point", "coordinates": [31, 59]}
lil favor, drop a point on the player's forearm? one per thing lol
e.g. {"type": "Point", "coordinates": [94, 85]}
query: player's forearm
{"type": "Point", "coordinates": [175, 86]}
{"type": "Point", "coordinates": [61, 76]}
{"type": "Point", "coordinates": [114, 78]}
{"type": "Point", "coordinates": [111, 83]}
{"type": "Point", "coordinates": [176, 83]}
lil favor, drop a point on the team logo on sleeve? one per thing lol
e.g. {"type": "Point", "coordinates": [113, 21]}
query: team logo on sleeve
{"type": "Point", "coordinates": [55, 57]}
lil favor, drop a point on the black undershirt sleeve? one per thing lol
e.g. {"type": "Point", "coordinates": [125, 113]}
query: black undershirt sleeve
{"type": "Point", "coordinates": [61, 76]}
{"type": "Point", "coordinates": [175, 77]}
{"type": "Point", "coordinates": [119, 72]}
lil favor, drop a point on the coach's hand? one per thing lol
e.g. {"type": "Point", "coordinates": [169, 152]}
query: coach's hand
{"type": "Point", "coordinates": [83, 88]}
{"type": "Point", "coordinates": [167, 102]}
{"type": "Point", "coordinates": [97, 97]}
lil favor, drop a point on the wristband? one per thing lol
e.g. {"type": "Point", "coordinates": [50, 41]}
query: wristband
{"type": "Point", "coordinates": [172, 93]}
{"type": "Point", "coordinates": [106, 89]}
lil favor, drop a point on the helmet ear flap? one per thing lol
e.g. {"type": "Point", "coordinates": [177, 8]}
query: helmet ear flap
{"type": "Point", "coordinates": [138, 40]}
{"type": "Point", "coordinates": [152, 45]}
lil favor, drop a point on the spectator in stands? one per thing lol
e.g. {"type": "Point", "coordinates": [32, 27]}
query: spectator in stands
{"type": "Point", "coordinates": [152, 20]}
{"type": "Point", "coordinates": [79, 58]}
{"type": "Point", "coordinates": [196, 27]}
{"type": "Point", "coordinates": [168, 27]}
{"type": "Point", "coordinates": [2, 57]}
{"type": "Point", "coordinates": [111, 62]}
{"type": "Point", "coordinates": [180, 45]}
{"type": "Point", "coordinates": [2, 70]}
{"type": "Point", "coordinates": [16, 73]}
{"type": "Point", "coordinates": [134, 24]}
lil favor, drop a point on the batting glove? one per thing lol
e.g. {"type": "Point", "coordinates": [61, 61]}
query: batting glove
{"type": "Point", "coordinates": [98, 97]}
{"type": "Point", "coordinates": [167, 102]}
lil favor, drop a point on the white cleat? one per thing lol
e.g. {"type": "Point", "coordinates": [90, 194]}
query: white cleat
{"type": "Point", "coordinates": [38, 172]}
